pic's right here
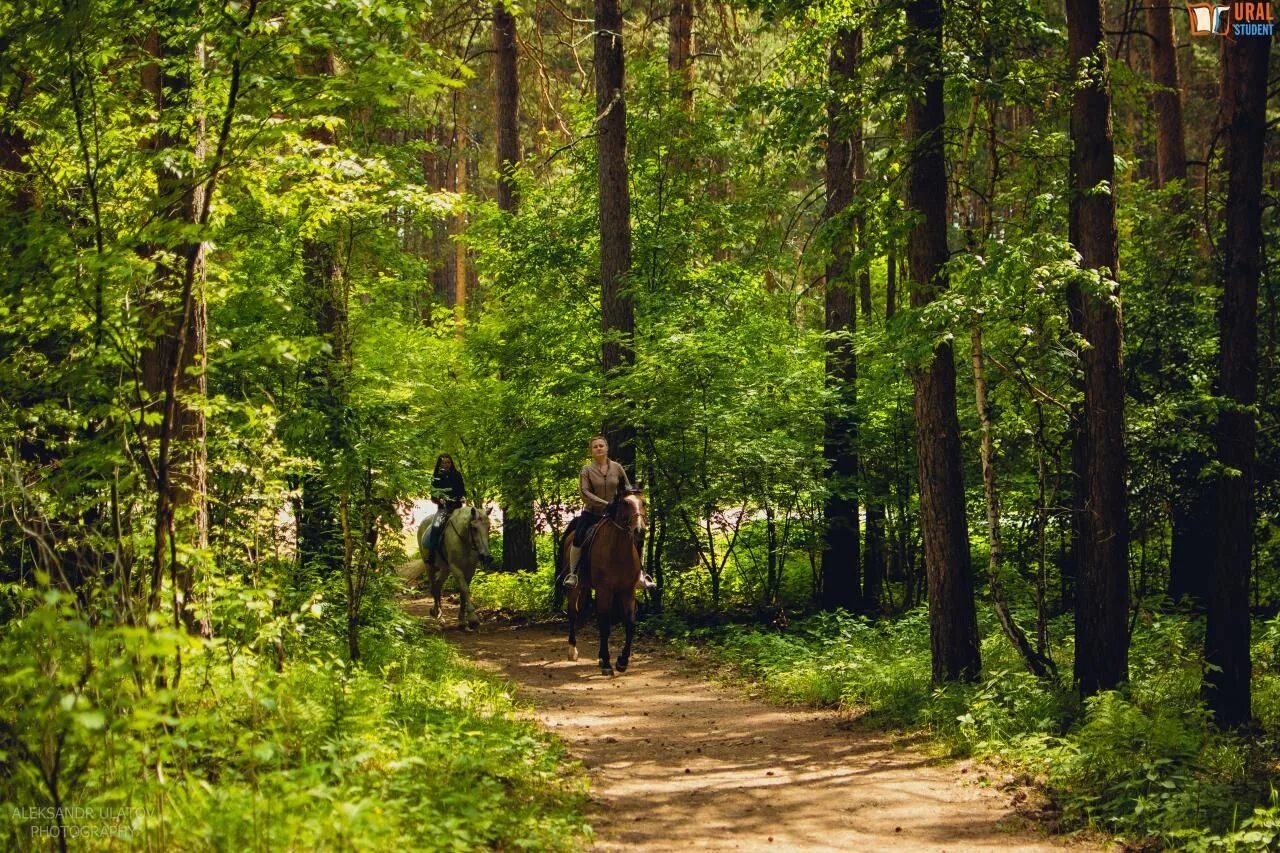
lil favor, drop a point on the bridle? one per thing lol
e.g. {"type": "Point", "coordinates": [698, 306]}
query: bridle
{"type": "Point", "coordinates": [638, 534]}
{"type": "Point", "coordinates": [471, 535]}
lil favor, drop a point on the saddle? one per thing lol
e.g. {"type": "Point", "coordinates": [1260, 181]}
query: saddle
{"type": "Point", "coordinates": [584, 561]}
{"type": "Point", "coordinates": [438, 548]}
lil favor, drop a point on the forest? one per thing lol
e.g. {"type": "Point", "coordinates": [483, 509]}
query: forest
{"type": "Point", "coordinates": [944, 340]}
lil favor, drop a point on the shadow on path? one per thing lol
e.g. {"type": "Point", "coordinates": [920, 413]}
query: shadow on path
{"type": "Point", "coordinates": [678, 763]}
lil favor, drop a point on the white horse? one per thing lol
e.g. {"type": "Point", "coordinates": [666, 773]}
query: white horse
{"type": "Point", "coordinates": [464, 544]}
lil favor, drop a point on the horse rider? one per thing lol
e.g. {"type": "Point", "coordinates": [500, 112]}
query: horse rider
{"type": "Point", "coordinates": [448, 491]}
{"type": "Point", "coordinates": [599, 483]}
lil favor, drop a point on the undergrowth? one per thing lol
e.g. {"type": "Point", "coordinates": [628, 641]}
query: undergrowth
{"type": "Point", "coordinates": [526, 594]}
{"type": "Point", "coordinates": [413, 749]}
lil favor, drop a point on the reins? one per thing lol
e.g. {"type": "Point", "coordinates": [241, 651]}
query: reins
{"type": "Point", "coordinates": [469, 537]}
{"type": "Point", "coordinates": [610, 517]}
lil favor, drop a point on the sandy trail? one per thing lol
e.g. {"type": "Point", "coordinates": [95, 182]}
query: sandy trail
{"type": "Point", "coordinates": [679, 763]}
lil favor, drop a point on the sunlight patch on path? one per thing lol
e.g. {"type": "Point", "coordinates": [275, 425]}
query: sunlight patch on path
{"type": "Point", "coordinates": [679, 764]}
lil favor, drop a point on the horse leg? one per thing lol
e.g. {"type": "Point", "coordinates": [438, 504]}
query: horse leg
{"type": "Point", "coordinates": [436, 579]}
{"type": "Point", "coordinates": [629, 622]}
{"type": "Point", "coordinates": [572, 607]}
{"type": "Point", "coordinates": [466, 611]}
{"type": "Point", "coordinates": [604, 610]}
{"type": "Point", "coordinates": [573, 599]}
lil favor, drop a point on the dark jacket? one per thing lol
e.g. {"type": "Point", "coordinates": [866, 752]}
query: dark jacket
{"type": "Point", "coordinates": [447, 487]}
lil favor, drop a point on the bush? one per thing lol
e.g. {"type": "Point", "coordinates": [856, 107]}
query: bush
{"type": "Point", "coordinates": [524, 593]}
{"type": "Point", "coordinates": [1136, 770]}
{"type": "Point", "coordinates": [417, 750]}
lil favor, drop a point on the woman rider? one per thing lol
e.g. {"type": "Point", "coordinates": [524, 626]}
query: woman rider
{"type": "Point", "coordinates": [600, 481]}
{"type": "Point", "coordinates": [448, 491]}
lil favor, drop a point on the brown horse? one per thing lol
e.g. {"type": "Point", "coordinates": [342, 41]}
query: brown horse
{"type": "Point", "coordinates": [613, 560]}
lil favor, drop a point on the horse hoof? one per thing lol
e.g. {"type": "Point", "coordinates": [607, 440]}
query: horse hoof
{"type": "Point", "coordinates": [573, 653]}
{"type": "Point", "coordinates": [621, 665]}
{"type": "Point", "coordinates": [606, 670]}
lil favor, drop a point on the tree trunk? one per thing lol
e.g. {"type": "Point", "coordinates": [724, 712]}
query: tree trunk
{"type": "Point", "coordinates": [1191, 550]}
{"type": "Point", "coordinates": [874, 554]}
{"type": "Point", "coordinates": [953, 627]}
{"type": "Point", "coordinates": [1102, 595]}
{"type": "Point", "coordinates": [460, 279]}
{"type": "Point", "coordinates": [518, 542]}
{"type": "Point", "coordinates": [1171, 145]}
{"type": "Point", "coordinates": [841, 574]}
{"type": "Point", "coordinates": [506, 106]}
{"type": "Point", "coordinates": [680, 52]}
{"type": "Point", "coordinates": [1039, 665]}
{"type": "Point", "coordinates": [176, 315]}
{"type": "Point", "coordinates": [617, 317]}
{"type": "Point", "coordinates": [320, 540]}
{"type": "Point", "coordinates": [14, 149]}
{"type": "Point", "coordinates": [1244, 101]}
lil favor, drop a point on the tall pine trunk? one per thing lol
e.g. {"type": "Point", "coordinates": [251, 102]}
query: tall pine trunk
{"type": "Point", "coordinates": [518, 544]}
{"type": "Point", "coordinates": [841, 573]}
{"type": "Point", "coordinates": [1226, 645]}
{"type": "Point", "coordinates": [1102, 594]}
{"type": "Point", "coordinates": [680, 52]}
{"type": "Point", "coordinates": [874, 555]}
{"type": "Point", "coordinates": [1171, 145]}
{"type": "Point", "coordinates": [506, 104]}
{"type": "Point", "coordinates": [617, 316]}
{"type": "Point", "coordinates": [953, 626]}
{"type": "Point", "coordinates": [1191, 548]}
{"type": "Point", "coordinates": [320, 539]}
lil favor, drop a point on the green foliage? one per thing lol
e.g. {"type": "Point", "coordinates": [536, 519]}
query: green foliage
{"type": "Point", "coordinates": [525, 594]}
{"type": "Point", "coordinates": [419, 749]}
{"type": "Point", "coordinates": [834, 659]}
{"type": "Point", "coordinates": [1258, 831]}
{"type": "Point", "coordinates": [1134, 769]}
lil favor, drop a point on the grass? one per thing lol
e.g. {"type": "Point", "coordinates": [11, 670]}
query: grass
{"type": "Point", "coordinates": [415, 749]}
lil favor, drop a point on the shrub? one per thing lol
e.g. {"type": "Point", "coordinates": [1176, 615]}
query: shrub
{"type": "Point", "coordinates": [412, 749]}
{"type": "Point", "coordinates": [524, 593]}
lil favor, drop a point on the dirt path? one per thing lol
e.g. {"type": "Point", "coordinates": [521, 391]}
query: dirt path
{"type": "Point", "coordinates": [677, 763]}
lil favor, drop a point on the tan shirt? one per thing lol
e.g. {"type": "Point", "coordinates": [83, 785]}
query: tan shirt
{"type": "Point", "coordinates": [598, 488]}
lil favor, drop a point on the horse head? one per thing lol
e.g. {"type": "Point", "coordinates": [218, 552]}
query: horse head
{"type": "Point", "coordinates": [628, 511]}
{"type": "Point", "coordinates": [478, 534]}
{"type": "Point", "coordinates": [471, 525]}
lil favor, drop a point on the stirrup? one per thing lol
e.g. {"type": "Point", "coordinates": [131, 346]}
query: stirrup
{"type": "Point", "coordinates": [646, 581]}
{"type": "Point", "coordinates": [571, 579]}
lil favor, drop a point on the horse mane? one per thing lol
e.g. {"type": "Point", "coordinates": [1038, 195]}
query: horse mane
{"type": "Point", "coordinates": [460, 518]}
{"type": "Point", "coordinates": [614, 506]}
